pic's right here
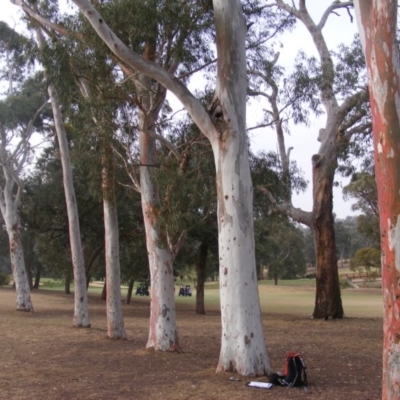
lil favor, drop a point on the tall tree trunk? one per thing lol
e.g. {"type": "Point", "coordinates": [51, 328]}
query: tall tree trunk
{"type": "Point", "coordinates": [163, 332]}
{"type": "Point", "coordinates": [37, 278]}
{"type": "Point", "coordinates": [103, 295]}
{"type": "Point", "coordinates": [18, 265]}
{"type": "Point", "coordinates": [377, 23]}
{"type": "Point", "coordinates": [276, 276]}
{"type": "Point", "coordinates": [81, 309]}
{"type": "Point", "coordinates": [67, 283]}
{"type": "Point", "coordinates": [242, 340]}
{"type": "Point", "coordinates": [130, 290]}
{"type": "Point", "coordinates": [328, 302]}
{"type": "Point", "coordinates": [115, 322]}
{"type": "Point", "coordinates": [242, 346]}
{"type": "Point", "coordinates": [89, 263]}
{"type": "Point", "coordinates": [201, 266]}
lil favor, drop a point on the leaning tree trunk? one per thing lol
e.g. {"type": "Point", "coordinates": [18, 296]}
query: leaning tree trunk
{"type": "Point", "coordinates": [377, 23]}
{"type": "Point", "coordinates": [242, 340]}
{"type": "Point", "coordinates": [201, 266]}
{"type": "Point", "coordinates": [115, 322]}
{"type": "Point", "coordinates": [81, 309]}
{"type": "Point", "coordinates": [163, 332]}
{"type": "Point", "coordinates": [328, 302]}
{"type": "Point", "coordinates": [18, 265]}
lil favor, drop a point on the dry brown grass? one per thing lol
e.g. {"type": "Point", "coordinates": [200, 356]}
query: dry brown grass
{"type": "Point", "coordinates": [44, 358]}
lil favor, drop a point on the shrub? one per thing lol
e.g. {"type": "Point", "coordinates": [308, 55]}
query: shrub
{"type": "Point", "coordinates": [311, 276]}
{"type": "Point", "coordinates": [344, 283]}
{"type": "Point", "coordinates": [4, 279]}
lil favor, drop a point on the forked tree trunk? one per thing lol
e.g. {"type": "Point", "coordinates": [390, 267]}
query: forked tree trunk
{"type": "Point", "coordinates": [18, 265]}
{"type": "Point", "coordinates": [201, 266]}
{"type": "Point", "coordinates": [328, 302]}
{"type": "Point", "coordinates": [377, 23]}
{"type": "Point", "coordinates": [81, 309]}
{"type": "Point", "coordinates": [242, 340]}
{"type": "Point", "coordinates": [115, 322]}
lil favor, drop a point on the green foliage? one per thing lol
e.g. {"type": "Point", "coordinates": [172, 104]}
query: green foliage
{"type": "Point", "coordinates": [4, 279]}
{"type": "Point", "coordinates": [366, 257]}
{"type": "Point", "coordinates": [344, 283]}
{"type": "Point", "coordinates": [363, 189]}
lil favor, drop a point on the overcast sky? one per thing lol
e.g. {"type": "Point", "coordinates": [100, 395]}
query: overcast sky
{"type": "Point", "coordinates": [338, 29]}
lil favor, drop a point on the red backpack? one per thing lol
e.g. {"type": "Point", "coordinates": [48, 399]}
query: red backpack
{"type": "Point", "coordinates": [294, 372]}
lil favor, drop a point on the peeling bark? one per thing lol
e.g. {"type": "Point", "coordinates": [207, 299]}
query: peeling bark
{"type": "Point", "coordinates": [377, 22]}
{"type": "Point", "coordinates": [163, 332]}
{"type": "Point", "coordinates": [328, 302]}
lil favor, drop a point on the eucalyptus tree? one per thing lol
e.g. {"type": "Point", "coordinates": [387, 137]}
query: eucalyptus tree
{"type": "Point", "coordinates": [377, 24]}
{"type": "Point", "coordinates": [14, 152]}
{"type": "Point", "coordinates": [21, 115]}
{"type": "Point", "coordinates": [362, 188]}
{"type": "Point", "coordinates": [242, 342]}
{"type": "Point", "coordinates": [344, 97]}
{"type": "Point", "coordinates": [189, 206]}
{"type": "Point", "coordinates": [81, 309]}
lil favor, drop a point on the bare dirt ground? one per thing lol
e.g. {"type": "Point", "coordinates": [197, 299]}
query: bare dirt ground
{"type": "Point", "coordinates": [43, 358]}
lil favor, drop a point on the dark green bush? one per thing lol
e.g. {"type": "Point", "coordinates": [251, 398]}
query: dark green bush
{"type": "Point", "coordinates": [4, 279]}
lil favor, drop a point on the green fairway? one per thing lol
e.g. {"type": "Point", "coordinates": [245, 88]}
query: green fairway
{"type": "Point", "coordinates": [289, 297]}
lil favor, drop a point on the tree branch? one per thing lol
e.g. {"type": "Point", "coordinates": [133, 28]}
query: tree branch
{"type": "Point", "coordinates": [32, 13]}
{"type": "Point", "coordinates": [334, 6]}
{"type": "Point", "coordinates": [170, 82]}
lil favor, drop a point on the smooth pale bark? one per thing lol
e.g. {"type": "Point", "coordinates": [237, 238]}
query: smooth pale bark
{"type": "Point", "coordinates": [10, 198]}
{"type": "Point", "coordinates": [377, 23]}
{"type": "Point", "coordinates": [163, 333]}
{"type": "Point", "coordinates": [242, 340]}
{"type": "Point", "coordinates": [81, 309]}
{"type": "Point", "coordinates": [115, 322]}
{"type": "Point", "coordinates": [243, 348]}
{"type": "Point", "coordinates": [13, 227]}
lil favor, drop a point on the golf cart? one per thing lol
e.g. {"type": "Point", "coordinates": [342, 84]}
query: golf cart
{"type": "Point", "coordinates": [142, 290]}
{"type": "Point", "coordinates": [185, 291]}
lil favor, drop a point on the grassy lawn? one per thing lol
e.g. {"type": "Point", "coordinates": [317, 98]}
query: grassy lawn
{"type": "Point", "coordinates": [289, 297]}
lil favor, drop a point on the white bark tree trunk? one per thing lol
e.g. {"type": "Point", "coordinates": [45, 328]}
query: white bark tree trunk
{"type": "Point", "coordinates": [20, 277]}
{"type": "Point", "coordinates": [115, 322]}
{"type": "Point", "coordinates": [81, 309]}
{"type": "Point", "coordinates": [12, 163]}
{"type": "Point", "coordinates": [242, 340]}
{"type": "Point", "coordinates": [163, 333]}
{"type": "Point", "coordinates": [243, 348]}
